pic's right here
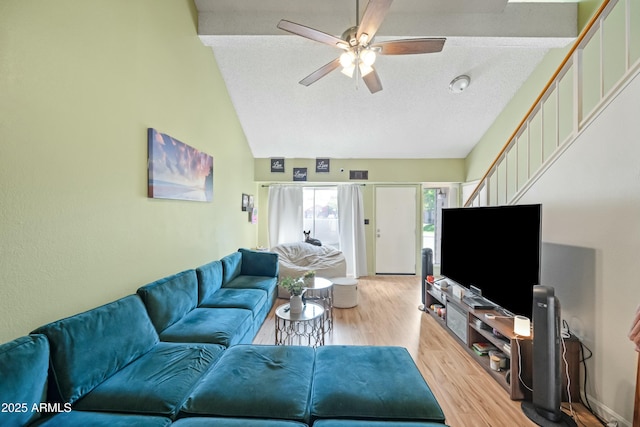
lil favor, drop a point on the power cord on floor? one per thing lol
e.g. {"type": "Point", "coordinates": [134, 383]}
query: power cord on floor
{"type": "Point", "coordinates": [584, 399]}
{"type": "Point", "coordinates": [566, 367]}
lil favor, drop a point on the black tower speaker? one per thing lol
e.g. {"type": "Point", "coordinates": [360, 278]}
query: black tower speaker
{"type": "Point", "coordinates": [544, 409]}
{"type": "Point", "coordinates": [427, 270]}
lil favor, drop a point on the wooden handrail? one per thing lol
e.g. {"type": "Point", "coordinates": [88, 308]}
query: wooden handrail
{"type": "Point", "coordinates": [576, 44]}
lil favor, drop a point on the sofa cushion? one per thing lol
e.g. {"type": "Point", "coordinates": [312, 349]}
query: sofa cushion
{"type": "Point", "coordinates": [368, 382]}
{"type": "Point", "coordinates": [258, 263]}
{"type": "Point", "coordinates": [90, 347]}
{"type": "Point", "coordinates": [249, 299]}
{"type": "Point", "coordinates": [225, 326]}
{"type": "Point", "coordinates": [100, 419]}
{"type": "Point", "coordinates": [234, 422]}
{"type": "Point", "coordinates": [157, 383]}
{"type": "Point", "coordinates": [256, 381]}
{"type": "Point", "coordinates": [24, 366]}
{"type": "Point", "coordinates": [231, 267]}
{"type": "Point", "coordinates": [209, 280]}
{"type": "Point", "coordinates": [169, 299]}
{"type": "Point", "coordinates": [265, 283]}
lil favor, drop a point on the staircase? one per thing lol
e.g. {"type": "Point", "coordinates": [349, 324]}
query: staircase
{"type": "Point", "coordinates": [603, 59]}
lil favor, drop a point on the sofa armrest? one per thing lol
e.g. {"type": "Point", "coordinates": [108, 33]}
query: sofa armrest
{"type": "Point", "coordinates": [259, 263]}
{"type": "Point", "coordinates": [24, 364]}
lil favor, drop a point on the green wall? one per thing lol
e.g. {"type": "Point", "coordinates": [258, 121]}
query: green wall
{"type": "Point", "coordinates": [380, 170]}
{"type": "Point", "coordinates": [80, 83]}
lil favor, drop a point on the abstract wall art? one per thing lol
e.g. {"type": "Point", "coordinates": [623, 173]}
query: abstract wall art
{"type": "Point", "coordinates": [177, 170]}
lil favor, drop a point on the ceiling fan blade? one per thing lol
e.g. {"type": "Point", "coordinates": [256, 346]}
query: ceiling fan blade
{"type": "Point", "coordinates": [311, 34]}
{"type": "Point", "coordinates": [320, 72]}
{"type": "Point", "coordinates": [372, 18]}
{"type": "Point", "coordinates": [372, 80]}
{"type": "Point", "coordinates": [410, 46]}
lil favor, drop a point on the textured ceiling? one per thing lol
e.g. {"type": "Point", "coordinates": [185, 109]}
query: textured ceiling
{"type": "Point", "coordinates": [414, 116]}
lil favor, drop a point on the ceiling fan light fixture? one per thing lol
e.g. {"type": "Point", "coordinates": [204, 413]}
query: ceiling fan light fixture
{"type": "Point", "coordinates": [347, 59]}
{"type": "Point", "coordinates": [365, 69]}
{"type": "Point", "coordinates": [368, 57]}
{"type": "Point", "coordinates": [355, 44]}
{"type": "Point", "coordinates": [349, 70]}
{"type": "Point", "coordinates": [459, 84]}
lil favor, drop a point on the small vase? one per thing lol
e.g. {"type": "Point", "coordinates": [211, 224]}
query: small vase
{"type": "Point", "coordinates": [309, 281]}
{"type": "Point", "coordinates": [295, 304]}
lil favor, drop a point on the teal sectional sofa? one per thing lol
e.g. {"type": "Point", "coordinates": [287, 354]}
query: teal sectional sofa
{"type": "Point", "coordinates": [178, 352]}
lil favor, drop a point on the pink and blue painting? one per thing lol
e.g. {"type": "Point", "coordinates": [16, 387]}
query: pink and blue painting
{"type": "Point", "coordinates": [178, 171]}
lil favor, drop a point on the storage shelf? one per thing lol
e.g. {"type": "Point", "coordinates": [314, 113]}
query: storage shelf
{"type": "Point", "coordinates": [475, 333]}
{"type": "Point", "coordinates": [520, 356]}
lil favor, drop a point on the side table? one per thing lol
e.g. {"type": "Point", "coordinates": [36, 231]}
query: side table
{"type": "Point", "coordinates": [305, 328]}
{"type": "Point", "coordinates": [321, 290]}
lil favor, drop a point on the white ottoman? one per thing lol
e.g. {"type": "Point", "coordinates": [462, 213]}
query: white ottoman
{"type": "Point", "coordinates": [345, 292]}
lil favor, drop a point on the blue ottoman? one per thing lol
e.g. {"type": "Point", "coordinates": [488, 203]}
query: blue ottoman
{"type": "Point", "coordinates": [254, 381]}
{"type": "Point", "coordinates": [103, 419]}
{"type": "Point", "coordinates": [234, 422]}
{"type": "Point", "coordinates": [371, 383]}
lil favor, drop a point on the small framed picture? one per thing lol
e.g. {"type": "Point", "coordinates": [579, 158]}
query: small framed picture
{"type": "Point", "coordinates": [250, 205]}
{"type": "Point", "coordinates": [322, 165]}
{"type": "Point", "coordinates": [277, 164]}
{"type": "Point", "coordinates": [245, 202]}
{"type": "Point", "coordinates": [299, 174]}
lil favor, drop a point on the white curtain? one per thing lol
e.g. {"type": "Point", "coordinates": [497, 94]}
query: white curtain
{"type": "Point", "coordinates": [351, 223]}
{"type": "Point", "coordinates": [285, 214]}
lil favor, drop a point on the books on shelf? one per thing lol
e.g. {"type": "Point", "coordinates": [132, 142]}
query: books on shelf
{"type": "Point", "coordinates": [507, 348]}
{"type": "Point", "coordinates": [483, 348]}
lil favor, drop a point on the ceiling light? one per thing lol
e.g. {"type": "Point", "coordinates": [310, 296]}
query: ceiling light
{"type": "Point", "coordinates": [368, 57]}
{"type": "Point", "coordinates": [365, 69]}
{"type": "Point", "coordinates": [459, 84]}
{"type": "Point", "coordinates": [347, 59]}
{"type": "Point", "coordinates": [348, 70]}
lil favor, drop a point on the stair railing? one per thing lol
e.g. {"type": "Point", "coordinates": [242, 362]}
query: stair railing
{"type": "Point", "coordinates": [587, 79]}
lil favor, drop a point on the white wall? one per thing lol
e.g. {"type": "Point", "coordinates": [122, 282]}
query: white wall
{"type": "Point", "coordinates": [591, 230]}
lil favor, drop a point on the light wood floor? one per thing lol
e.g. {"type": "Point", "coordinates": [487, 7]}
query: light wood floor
{"type": "Point", "coordinates": [387, 314]}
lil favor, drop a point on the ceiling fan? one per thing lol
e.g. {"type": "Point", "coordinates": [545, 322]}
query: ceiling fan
{"type": "Point", "coordinates": [357, 43]}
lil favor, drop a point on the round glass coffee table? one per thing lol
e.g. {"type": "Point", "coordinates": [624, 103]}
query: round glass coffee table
{"type": "Point", "coordinates": [305, 328]}
{"type": "Point", "coordinates": [321, 290]}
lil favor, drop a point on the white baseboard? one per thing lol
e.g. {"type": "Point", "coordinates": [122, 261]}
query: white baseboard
{"type": "Point", "coordinates": [607, 414]}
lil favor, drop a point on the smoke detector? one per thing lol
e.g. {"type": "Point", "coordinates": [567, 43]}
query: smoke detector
{"type": "Point", "coordinates": [459, 84]}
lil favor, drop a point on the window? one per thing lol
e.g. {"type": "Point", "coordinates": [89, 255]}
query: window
{"type": "Point", "coordinates": [433, 199]}
{"type": "Point", "coordinates": [320, 207]}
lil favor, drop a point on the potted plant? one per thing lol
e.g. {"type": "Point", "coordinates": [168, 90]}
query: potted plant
{"type": "Point", "coordinates": [295, 286]}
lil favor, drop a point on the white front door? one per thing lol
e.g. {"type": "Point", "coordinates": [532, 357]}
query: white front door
{"type": "Point", "coordinates": [396, 230]}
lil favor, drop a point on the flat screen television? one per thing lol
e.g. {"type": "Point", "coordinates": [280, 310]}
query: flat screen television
{"type": "Point", "coordinates": [495, 249]}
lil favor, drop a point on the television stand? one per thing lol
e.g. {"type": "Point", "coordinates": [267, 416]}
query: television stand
{"type": "Point", "coordinates": [469, 325]}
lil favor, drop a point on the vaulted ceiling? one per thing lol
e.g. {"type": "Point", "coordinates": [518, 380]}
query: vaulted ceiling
{"type": "Point", "coordinates": [495, 42]}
